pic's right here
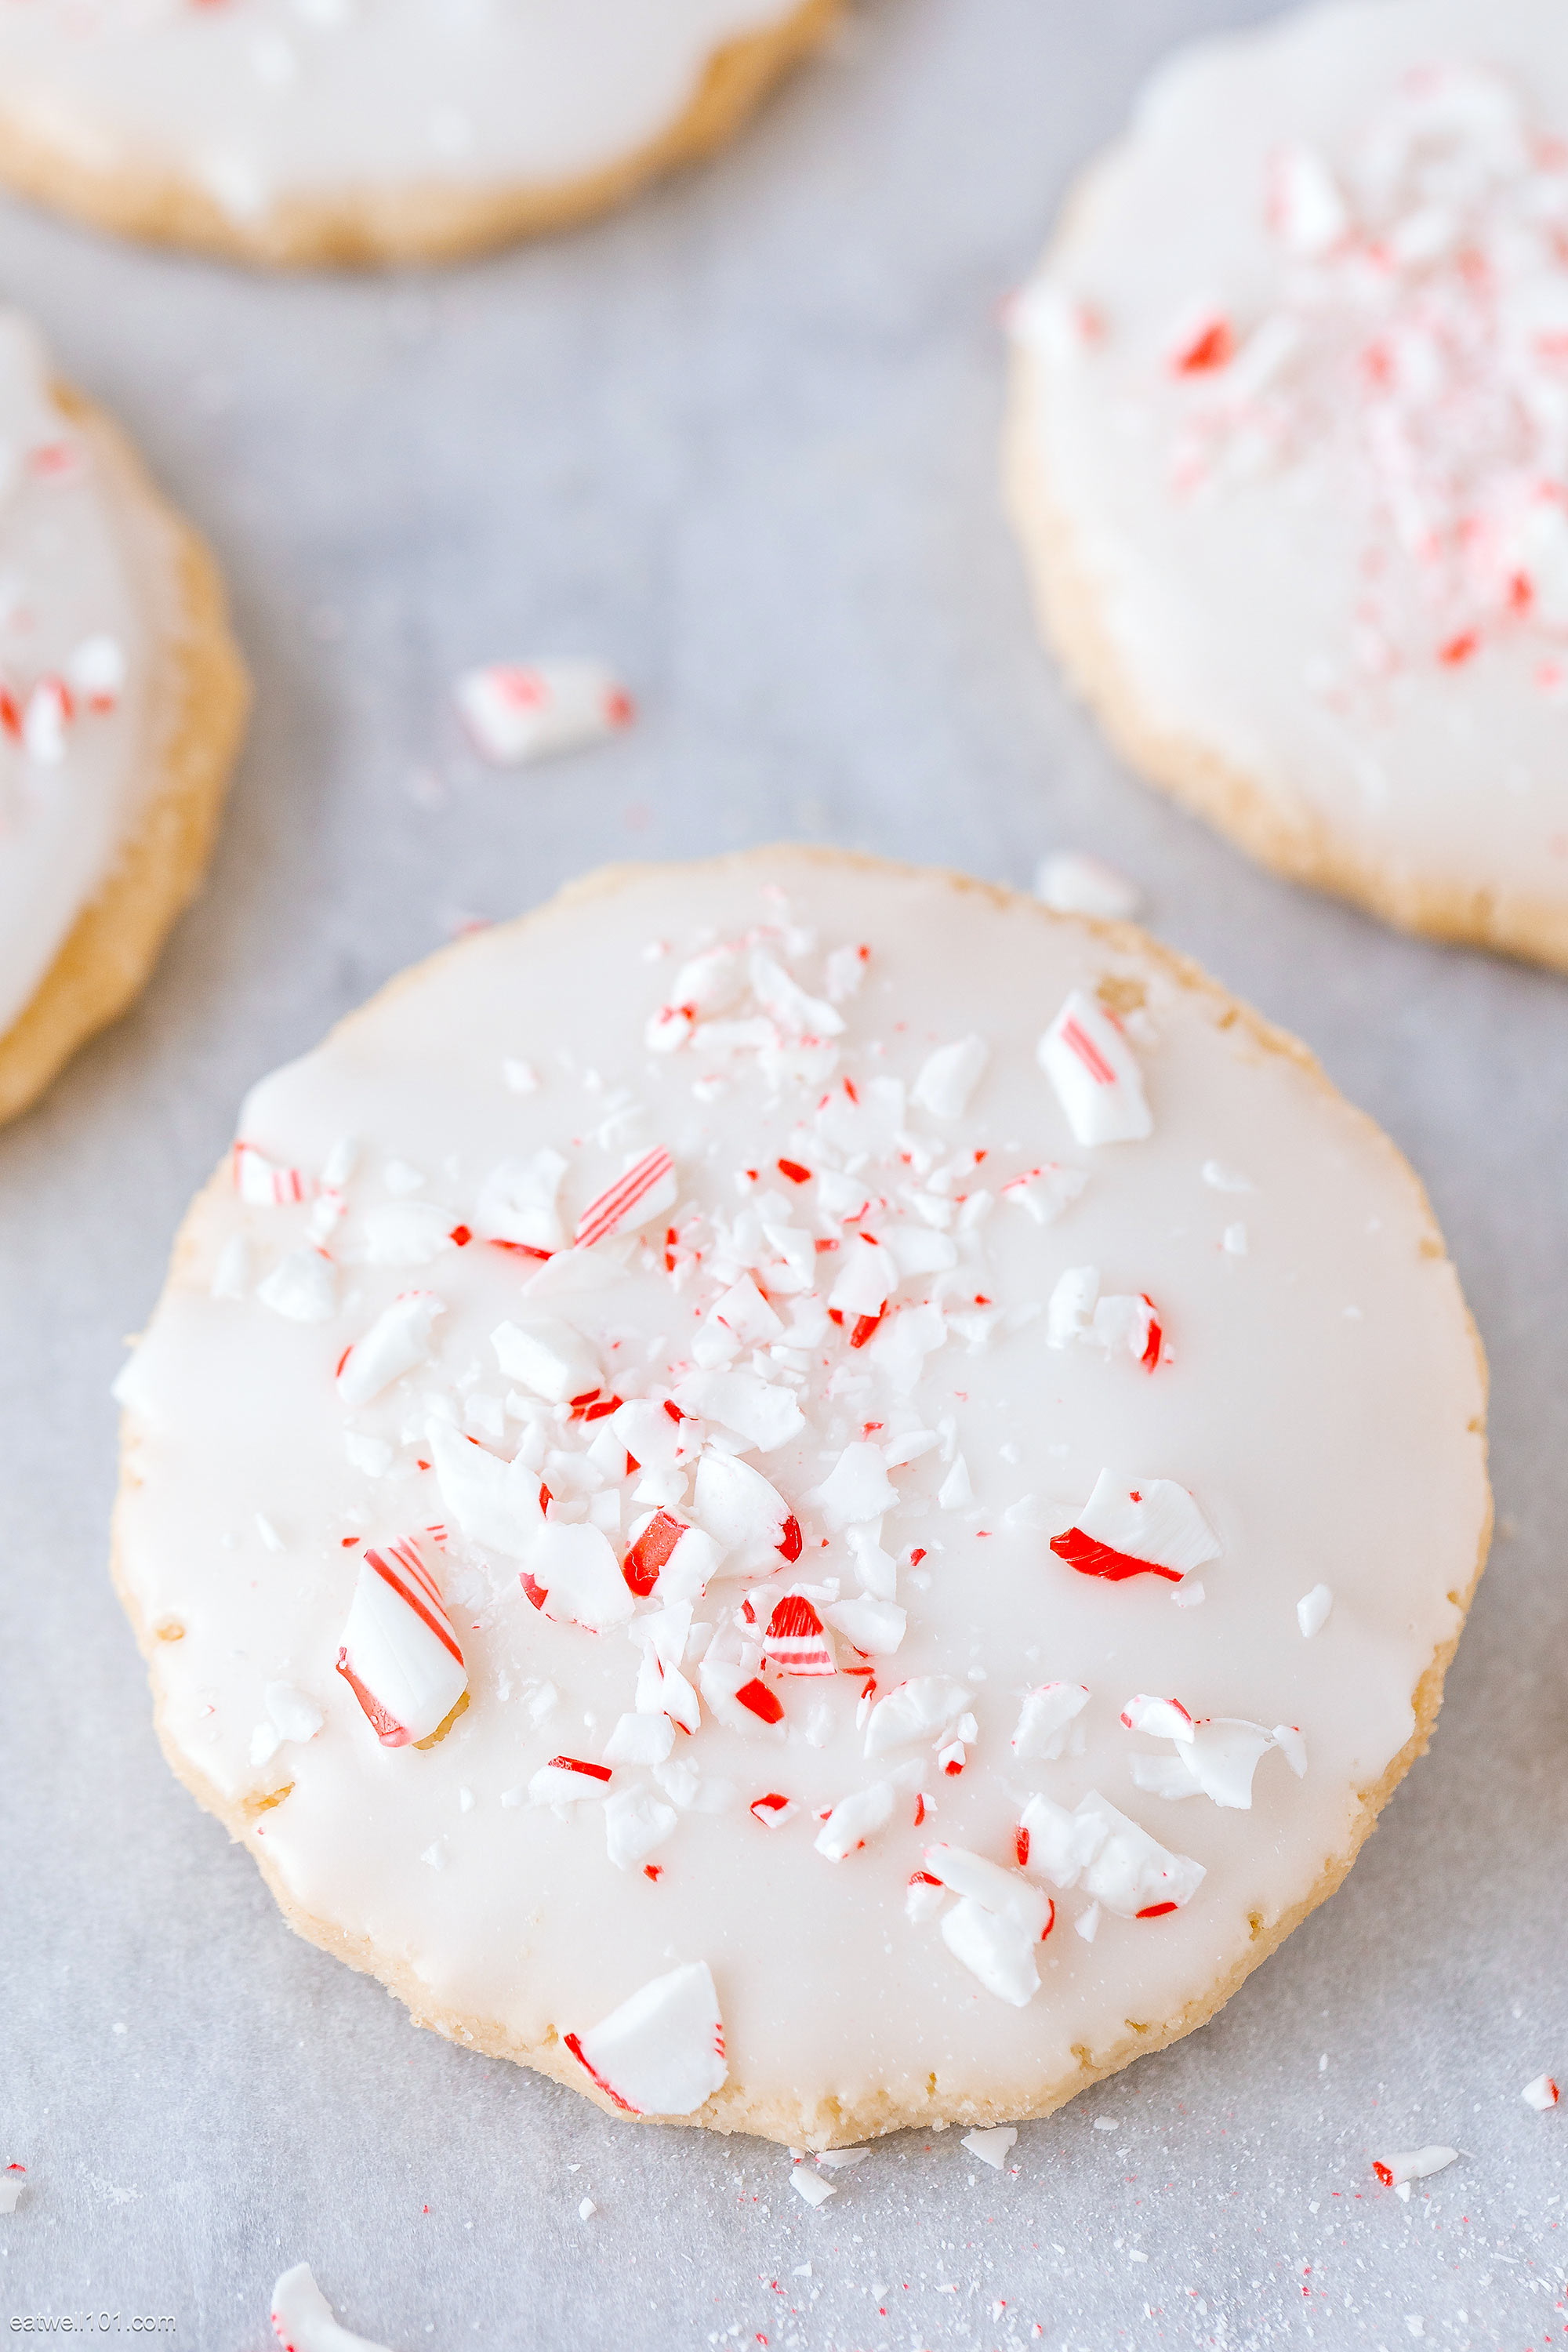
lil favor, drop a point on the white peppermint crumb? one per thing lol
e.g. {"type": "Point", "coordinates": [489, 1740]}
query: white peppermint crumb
{"type": "Point", "coordinates": [811, 2186]}
{"type": "Point", "coordinates": [436, 1855]}
{"type": "Point", "coordinates": [1104, 2123]}
{"type": "Point", "coordinates": [1189, 1594]}
{"type": "Point", "coordinates": [121, 2027]}
{"type": "Point", "coordinates": [11, 2186]}
{"type": "Point", "coordinates": [1072, 882]}
{"type": "Point", "coordinates": [520, 1077]}
{"type": "Point", "coordinates": [466, 1801]}
{"type": "Point", "coordinates": [1222, 1179]}
{"type": "Point", "coordinates": [1314, 1609]}
{"type": "Point", "coordinates": [268, 1533]}
{"type": "Point", "coordinates": [510, 1797]}
{"type": "Point", "coordinates": [1235, 1241]}
{"type": "Point", "coordinates": [835, 2159]}
{"type": "Point", "coordinates": [586, 2210]}
{"type": "Point", "coordinates": [992, 2147]}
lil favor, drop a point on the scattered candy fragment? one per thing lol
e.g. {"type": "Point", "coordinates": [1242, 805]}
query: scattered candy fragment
{"type": "Point", "coordinates": [516, 711]}
{"type": "Point", "coordinates": [304, 2321]}
{"type": "Point", "coordinates": [1540, 2093]}
{"type": "Point", "coordinates": [1153, 1528]}
{"type": "Point", "coordinates": [661, 2052]}
{"type": "Point", "coordinates": [1397, 2171]}
{"type": "Point", "coordinates": [1072, 882]}
{"type": "Point", "coordinates": [811, 2186]}
{"type": "Point", "coordinates": [13, 2180]}
{"type": "Point", "coordinates": [399, 1655]}
{"type": "Point", "coordinates": [993, 2146]}
{"type": "Point", "coordinates": [1314, 1609]}
{"type": "Point", "coordinates": [1096, 1076]}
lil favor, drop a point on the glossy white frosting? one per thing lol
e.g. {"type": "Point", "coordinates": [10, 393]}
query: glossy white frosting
{"type": "Point", "coordinates": [261, 99]}
{"type": "Point", "coordinates": [86, 587]}
{"type": "Point", "coordinates": [1338, 559]}
{"type": "Point", "coordinates": [1316, 1393]}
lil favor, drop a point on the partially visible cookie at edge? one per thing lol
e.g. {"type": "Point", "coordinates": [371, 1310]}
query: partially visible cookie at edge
{"type": "Point", "coordinates": [123, 699]}
{"type": "Point", "coordinates": [802, 1494]}
{"type": "Point", "coordinates": [383, 133]}
{"type": "Point", "coordinates": [1287, 452]}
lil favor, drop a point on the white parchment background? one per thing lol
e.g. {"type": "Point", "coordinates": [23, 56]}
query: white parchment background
{"type": "Point", "coordinates": [741, 439]}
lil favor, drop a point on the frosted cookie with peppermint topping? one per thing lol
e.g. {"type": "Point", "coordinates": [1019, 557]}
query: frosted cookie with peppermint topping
{"type": "Point", "coordinates": [373, 131]}
{"type": "Point", "coordinates": [122, 699]}
{"type": "Point", "coordinates": [1289, 453]}
{"type": "Point", "coordinates": [758, 1567]}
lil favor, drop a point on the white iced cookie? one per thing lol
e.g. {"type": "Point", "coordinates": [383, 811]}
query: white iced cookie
{"type": "Point", "coordinates": [122, 698]}
{"type": "Point", "coordinates": [323, 130]}
{"type": "Point", "coordinates": [1289, 451]}
{"type": "Point", "coordinates": [803, 1494]}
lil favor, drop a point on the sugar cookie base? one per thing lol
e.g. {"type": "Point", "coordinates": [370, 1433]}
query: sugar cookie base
{"type": "Point", "coordinates": [1294, 842]}
{"type": "Point", "coordinates": [830, 2123]}
{"type": "Point", "coordinates": [418, 221]}
{"type": "Point", "coordinates": [200, 701]}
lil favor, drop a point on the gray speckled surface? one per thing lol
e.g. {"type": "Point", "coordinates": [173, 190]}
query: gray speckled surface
{"type": "Point", "coordinates": [741, 439]}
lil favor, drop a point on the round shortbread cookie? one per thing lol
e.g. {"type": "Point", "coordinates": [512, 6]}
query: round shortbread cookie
{"type": "Point", "coordinates": [121, 702]}
{"type": "Point", "coordinates": [724, 1459]}
{"type": "Point", "coordinates": [373, 131]}
{"type": "Point", "coordinates": [1288, 452]}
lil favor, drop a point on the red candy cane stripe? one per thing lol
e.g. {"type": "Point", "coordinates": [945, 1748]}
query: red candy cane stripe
{"type": "Point", "coordinates": [760, 1701]}
{"type": "Point", "coordinates": [616, 1202]}
{"type": "Point", "coordinates": [773, 1810]}
{"type": "Point", "coordinates": [651, 1552]}
{"type": "Point", "coordinates": [794, 1642]}
{"type": "Point", "coordinates": [401, 1567]}
{"type": "Point", "coordinates": [264, 1184]}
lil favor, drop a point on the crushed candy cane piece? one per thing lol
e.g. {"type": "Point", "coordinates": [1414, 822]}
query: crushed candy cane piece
{"type": "Point", "coordinates": [993, 2146]}
{"type": "Point", "coordinates": [1394, 2171]}
{"type": "Point", "coordinates": [549, 1357]}
{"type": "Point", "coordinates": [567, 1780]}
{"type": "Point", "coordinates": [304, 2321]}
{"type": "Point", "coordinates": [1542, 2093]}
{"type": "Point", "coordinates": [13, 2180]}
{"type": "Point", "coordinates": [1072, 882]}
{"type": "Point", "coordinates": [399, 1655]}
{"type": "Point", "coordinates": [1162, 1718]}
{"type": "Point", "coordinates": [1095, 1075]}
{"type": "Point", "coordinates": [397, 1341]}
{"type": "Point", "coordinates": [811, 2186]}
{"type": "Point", "coordinates": [762, 1413]}
{"type": "Point", "coordinates": [302, 1287]}
{"type": "Point", "coordinates": [925, 1707]}
{"type": "Point", "coordinates": [994, 1947]}
{"type": "Point", "coordinates": [646, 1189]}
{"type": "Point", "coordinates": [1119, 1864]}
{"type": "Point", "coordinates": [745, 1515]}
{"type": "Point", "coordinates": [1154, 1528]}
{"type": "Point", "coordinates": [661, 2052]}
{"type": "Point", "coordinates": [577, 1577]}
{"type": "Point", "coordinates": [495, 1503]}
{"type": "Point", "coordinates": [1045, 1719]}
{"type": "Point", "coordinates": [1313, 1609]}
{"type": "Point", "coordinates": [854, 1818]}
{"type": "Point", "coordinates": [1046, 1192]}
{"type": "Point", "coordinates": [636, 1825]}
{"type": "Point", "coordinates": [795, 1642]}
{"type": "Point", "coordinates": [527, 710]}
{"type": "Point", "coordinates": [995, 1887]}
{"type": "Point", "coordinates": [773, 1811]}
{"type": "Point", "coordinates": [948, 1076]}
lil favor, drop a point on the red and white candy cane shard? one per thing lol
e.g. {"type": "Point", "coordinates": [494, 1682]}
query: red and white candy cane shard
{"type": "Point", "coordinates": [1154, 1528]}
{"type": "Point", "coordinates": [263, 1183]}
{"type": "Point", "coordinates": [526, 710]}
{"type": "Point", "coordinates": [856, 1817]}
{"type": "Point", "coordinates": [795, 1642]}
{"type": "Point", "coordinates": [674, 1555]}
{"type": "Point", "coordinates": [1542, 2093]}
{"type": "Point", "coordinates": [495, 1503]}
{"type": "Point", "coordinates": [399, 1655]}
{"type": "Point", "coordinates": [304, 2320]}
{"type": "Point", "coordinates": [396, 1342]}
{"type": "Point", "coordinates": [737, 1698]}
{"type": "Point", "coordinates": [1095, 1074]}
{"type": "Point", "coordinates": [1204, 341]}
{"type": "Point", "coordinates": [744, 1512]}
{"type": "Point", "coordinates": [773, 1811]}
{"type": "Point", "coordinates": [925, 1707]}
{"type": "Point", "coordinates": [1162, 1718]}
{"type": "Point", "coordinates": [924, 1899]}
{"type": "Point", "coordinates": [662, 2052]}
{"type": "Point", "coordinates": [567, 1780]}
{"type": "Point", "coordinates": [1416, 2164]}
{"type": "Point", "coordinates": [647, 1188]}
{"type": "Point", "coordinates": [577, 1577]}
{"type": "Point", "coordinates": [1119, 1864]}
{"type": "Point", "coordinates": [1045, 1192]}
{"type": "Point", "coordinates": [993, 1886]}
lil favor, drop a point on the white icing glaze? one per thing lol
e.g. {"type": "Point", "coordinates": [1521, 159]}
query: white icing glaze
{"type": "Point", "coordinates": [1338, 559]}
{"type": "Point", "coordinates": [85, 583]}
{"type": "Point", "coordinates": [261, 99]}
{"type": "Point", "coordinates": [1320, 1401]}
